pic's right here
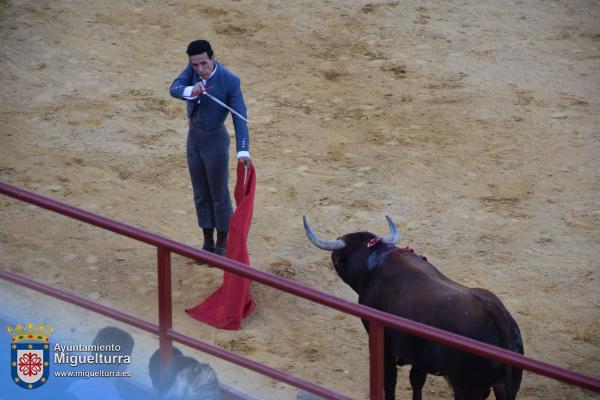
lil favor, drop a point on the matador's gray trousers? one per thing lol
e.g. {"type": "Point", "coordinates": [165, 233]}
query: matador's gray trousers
{"type": "Point", "coordinates": [208, 162]}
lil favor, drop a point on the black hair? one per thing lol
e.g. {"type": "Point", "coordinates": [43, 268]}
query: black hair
{"type": "Point", "coordinates": [187, 379]}
{"type": "Point", "coordinates": [154, 366]}
{"type": "Point", "coordinates": [199, 47]}
{"type": "Point", "coordinates": [117, 336]}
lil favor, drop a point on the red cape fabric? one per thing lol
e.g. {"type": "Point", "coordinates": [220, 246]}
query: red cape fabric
{"type": "Point", "coordinates": [232, 302]}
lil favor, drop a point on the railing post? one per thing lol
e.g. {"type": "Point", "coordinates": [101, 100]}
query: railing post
{"type": "Point", "coordinates": [165, 315]}
{"type": "Point", "coordinates": [376, 360]}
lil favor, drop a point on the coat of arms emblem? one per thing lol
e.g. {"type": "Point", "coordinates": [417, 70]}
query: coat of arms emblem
{"type": "Point", "coordinates": [30, 355]}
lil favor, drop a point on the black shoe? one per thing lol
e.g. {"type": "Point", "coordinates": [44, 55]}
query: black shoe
{"type": "Point", "coordinates": [221, 243]}
{"type": "Point", "coordinates": [210, 249]}
{"type": "Point", "coordinates": [208, 240]}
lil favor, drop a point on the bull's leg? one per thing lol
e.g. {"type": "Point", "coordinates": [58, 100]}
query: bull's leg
{"type": "Point", "coordinates": [457, 393]}
{"type": "Point", "coordinates": [390, 376]}
{"type": "Point", "coordinates": [507, 387]}
{"type": "Point", "coordinates": [500, 391]}
{"type": "Point", "coordinates": [417, 380]}
{"type": "Point", "coordinates": [471, 395]}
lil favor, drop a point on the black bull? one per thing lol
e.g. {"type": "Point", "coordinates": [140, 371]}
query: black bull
{"type": "Point", "coordinates": [403, 283]}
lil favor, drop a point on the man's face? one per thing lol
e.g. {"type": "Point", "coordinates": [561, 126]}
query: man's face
{"type": "Point", "coordinates": [203, 65]}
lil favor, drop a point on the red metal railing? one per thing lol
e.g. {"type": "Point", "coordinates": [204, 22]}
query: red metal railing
{"type": "Point", "coordinates": [377, 319]}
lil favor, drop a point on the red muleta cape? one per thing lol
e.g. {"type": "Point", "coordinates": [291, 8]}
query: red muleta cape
{"type": "Point", "coordinates": [232, 302]}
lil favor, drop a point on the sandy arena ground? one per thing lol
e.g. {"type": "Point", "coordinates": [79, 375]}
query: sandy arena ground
{"type": "Point", "coordinates": [474, 124]}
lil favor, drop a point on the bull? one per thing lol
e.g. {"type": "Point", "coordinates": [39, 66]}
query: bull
{"type": "Point", "coordinates": [400, 282]}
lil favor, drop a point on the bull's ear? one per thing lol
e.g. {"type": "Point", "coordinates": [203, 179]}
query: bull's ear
{"type": "Point", "coordinates": [329, 245]}
{"type": "Point", "coordinates": [394, 234]}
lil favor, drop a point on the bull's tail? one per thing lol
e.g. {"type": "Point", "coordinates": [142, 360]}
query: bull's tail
{"type": "Point", "coordinates": [510, 337]}
{"type": "Point", "coordinates": [515, 377]}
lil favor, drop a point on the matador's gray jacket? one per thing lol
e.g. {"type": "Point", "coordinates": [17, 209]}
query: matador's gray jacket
{"type": "Point", "coordinates": [223, 85]}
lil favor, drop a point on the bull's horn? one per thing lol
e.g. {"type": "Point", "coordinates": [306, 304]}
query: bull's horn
{"type": "Point", "coordinates": [330, 245]}
{"type": "Point", "coordinates": [393, 238]}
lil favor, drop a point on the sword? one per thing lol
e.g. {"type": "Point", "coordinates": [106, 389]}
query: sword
{"type": "Point", "coordinates": [219, 102]}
